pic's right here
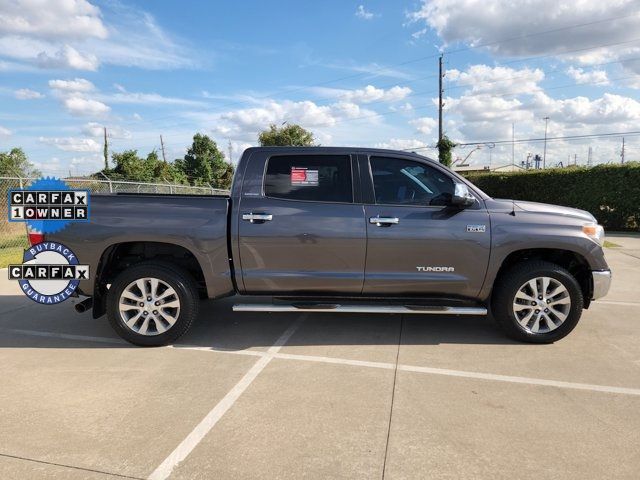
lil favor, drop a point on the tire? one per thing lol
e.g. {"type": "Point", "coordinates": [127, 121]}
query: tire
{"type": "Point", "coordinates": [174, 287]}
{"type": "Point", "coordinates": [514, 296]}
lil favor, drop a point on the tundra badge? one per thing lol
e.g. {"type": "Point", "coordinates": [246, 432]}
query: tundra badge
{"type": "Point", "coordinates": [477, 228]}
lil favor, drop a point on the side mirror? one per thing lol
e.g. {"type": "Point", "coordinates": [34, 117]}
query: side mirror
{"type": "Point", "coordinates": [462, 197]}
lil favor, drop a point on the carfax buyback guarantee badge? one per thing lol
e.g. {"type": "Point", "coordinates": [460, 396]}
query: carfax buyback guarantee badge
{"type": "Point", "coordinates": [50, 272]}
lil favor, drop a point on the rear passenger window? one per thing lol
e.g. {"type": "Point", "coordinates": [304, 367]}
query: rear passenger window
{"type": "Point", "coordinates": [314, 178]}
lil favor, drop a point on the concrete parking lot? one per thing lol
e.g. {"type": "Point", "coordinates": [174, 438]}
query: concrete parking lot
{"type": "Point", "coordinates": [322, 396]}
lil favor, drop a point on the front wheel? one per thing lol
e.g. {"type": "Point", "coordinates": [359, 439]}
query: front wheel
{"type": "Point", "coordinates": [152, 304]}
{"type": "Point", "coordinates": [537, 302]}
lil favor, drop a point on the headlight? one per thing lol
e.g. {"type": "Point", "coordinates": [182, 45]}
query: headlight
{"type": "Point", "coordinates": [595, 232]}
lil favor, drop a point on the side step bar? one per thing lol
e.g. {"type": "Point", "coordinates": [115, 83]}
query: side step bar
{"type": "Point", "coordinates": [332, 308]}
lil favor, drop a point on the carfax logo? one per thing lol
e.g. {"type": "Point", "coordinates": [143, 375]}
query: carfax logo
{"type": "Point", "coordinates": [48, 205]}
{"type": "Point", "coordinates": [50, 273]}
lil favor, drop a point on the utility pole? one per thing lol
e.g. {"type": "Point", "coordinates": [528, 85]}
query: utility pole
{"type": "Point", "coordinates": [544, 154]}
{"type": "Point", "coordinates": [106, 150]}
{"type": "Point", "coordinates": [440, 104]}
{"type": "Point", "coordinates": [164, 158]}
{"type": "Point", "coordinates": [230, 151]}
{"type": "Point", "coordinates": [590, 157]}
{"type": "Point", "coordinates": [513, 144]}
{"type": "Point", "coordinates": [575, 159]}
{"type": "Point", "coordinates": [622, 152]}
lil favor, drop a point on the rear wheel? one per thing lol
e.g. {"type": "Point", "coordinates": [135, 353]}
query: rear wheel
{"type": "Point", "coordinates": [152, 304]}
{"type": "Point", "coordinates": [537, 301]}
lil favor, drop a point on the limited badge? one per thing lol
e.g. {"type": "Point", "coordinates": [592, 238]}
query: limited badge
{"type": "Point", "coordinates": [50, 273]}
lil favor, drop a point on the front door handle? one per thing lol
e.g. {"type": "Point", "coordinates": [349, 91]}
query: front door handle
{"type": "Point", "coordinates": [257, 217]}
{"type": "Point", "coordinates": [384, 221]}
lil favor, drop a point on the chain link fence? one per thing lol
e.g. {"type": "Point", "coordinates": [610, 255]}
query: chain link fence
{"type": "Point", "coordinates": [13, 237]}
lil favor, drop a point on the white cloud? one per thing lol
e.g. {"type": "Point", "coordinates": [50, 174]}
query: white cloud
{"type": "Point", "coordinates": [373, 69]}
{"type": "Point", "coordinates": [244, 124]}
{"type": "Point", "coordinates": [51, 19]}
{"type": "Point", "coordinates": [77, 105]}
{"type": "Point", "coordinates": [419, 33]}
{"type": "Point", "coordinates": [511, 28]}
{"type": "Point", "coordinates": [68, 57]}
{"type": "Point", "coordinates": [74, 95]}
{"type": "Point", "coordinates": [401, 144]}
{"type": "Point", "coordinates": [72, 144]}
{"type": "Point", "coordinates": [75, 85]}
{"type": "Point", "coordinates": [490, 80]}
{"type": "Point", "coordinates": [363, 13]}
{"type": "Point", "coordinates": [424, 125]}
{"type": "Point", "coordinates": [594, 76]}
{"type": "Point", "coordinates": [27, 94]}
{"type": "Point", "coordinates": [607, 110]}
{"type": "Point", "coordinates": [94, 129]}
{"type": "Point", "coordinates": [74, 34]}
{"type": "Point", "coordinates": [372, 94]}
{"type": "Point", "coordinates": [5, 132]}
{"type": "Point", "coordinates": [149, 99]}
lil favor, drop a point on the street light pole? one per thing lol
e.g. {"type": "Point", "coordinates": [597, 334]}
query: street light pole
{"type": "Point", "coordinates": [544, 154]}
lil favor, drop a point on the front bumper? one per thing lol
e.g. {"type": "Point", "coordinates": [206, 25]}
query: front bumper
{"type": "Point", "coordinates": [601, 283]}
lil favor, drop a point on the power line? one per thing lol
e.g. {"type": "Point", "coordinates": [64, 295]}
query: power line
{"type": "Point", "coordinates": [480, 94]}
{"type": "Point", "coordinates": [520, 60]}
{"type": "Point", "coordinates": [631, 133]}
{"type": "Point", "coordinates": [451, 52]}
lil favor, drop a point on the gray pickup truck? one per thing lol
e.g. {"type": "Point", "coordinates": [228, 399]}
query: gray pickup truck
{"type": "Point", "coordinates": [343, 230]}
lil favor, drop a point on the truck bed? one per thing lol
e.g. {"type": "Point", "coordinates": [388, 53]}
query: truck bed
{"type": "Point", "coordinates": [197, 223]}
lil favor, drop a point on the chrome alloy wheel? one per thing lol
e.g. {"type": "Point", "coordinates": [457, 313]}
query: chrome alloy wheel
{"type": "Point", "coordinates": [149, 306]}
{"type": "Point", "coordinates": [541, 305]}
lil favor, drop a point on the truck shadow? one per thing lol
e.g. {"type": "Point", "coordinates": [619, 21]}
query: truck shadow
{"type": "Point", "coordinates": [29, 325]}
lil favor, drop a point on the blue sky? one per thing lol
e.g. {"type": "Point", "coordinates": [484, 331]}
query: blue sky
{"type": "Point", "coordinates": [354, 73]}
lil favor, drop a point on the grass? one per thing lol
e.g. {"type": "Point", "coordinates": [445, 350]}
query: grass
{"type": "Point", "coordinates": [11, 248]}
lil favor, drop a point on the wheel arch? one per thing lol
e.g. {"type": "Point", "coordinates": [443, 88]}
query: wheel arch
{"type": "Point", "coordinates": [572, 261]}
{"type": "Point", "coordinates": [119, 256]}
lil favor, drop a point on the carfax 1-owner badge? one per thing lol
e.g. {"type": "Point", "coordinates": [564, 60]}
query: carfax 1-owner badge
{"type": "Point", "coordinates": [50, 272]}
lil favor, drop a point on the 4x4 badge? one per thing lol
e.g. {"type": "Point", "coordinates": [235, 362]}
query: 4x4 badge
{"type": "Point", "coordinates": [477, 228]}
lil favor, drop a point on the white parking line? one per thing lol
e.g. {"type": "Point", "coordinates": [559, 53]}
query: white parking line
{"type": "Point", "coordinates": [273, 352]}
{"type": "Point", "coordinates": [197, 434]}
{"type": "Point", "coordinates": [613, 302]}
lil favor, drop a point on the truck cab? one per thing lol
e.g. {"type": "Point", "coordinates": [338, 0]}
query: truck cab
{"type": "Point", "coordinates": [356, 223]}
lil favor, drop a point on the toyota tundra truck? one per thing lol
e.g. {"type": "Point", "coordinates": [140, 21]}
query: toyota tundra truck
{"type": "Point", "coordinates": [341, 230]}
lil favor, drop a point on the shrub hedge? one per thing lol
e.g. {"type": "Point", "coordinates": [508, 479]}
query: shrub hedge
{"type": "Point", "coordinates": [610, 192]}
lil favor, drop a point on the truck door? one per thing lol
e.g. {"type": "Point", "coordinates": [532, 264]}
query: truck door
{"type": "Point", "coordinates": [417, 245]}
{"type": "Point", "coordinates": [301, 231]}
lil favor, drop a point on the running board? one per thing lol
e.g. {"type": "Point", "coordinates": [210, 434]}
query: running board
{"type": "Point", "coordinates": [334, 308]}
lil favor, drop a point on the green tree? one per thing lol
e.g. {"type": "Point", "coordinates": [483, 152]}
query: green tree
{"type": "Point", "coordinates": [129, 166]}
{"type": "Point", "coordinates": [445, 145]}
{"type": "Point", "coordinates": [204, 163]}
{"type": "Point", "coordinates": [15, 162]}
{"type": "Point", "coordinates": [288, 135]}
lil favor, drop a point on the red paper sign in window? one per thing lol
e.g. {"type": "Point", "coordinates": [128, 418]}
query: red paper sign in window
{"type": "Point", "coordinates": [298, 176]}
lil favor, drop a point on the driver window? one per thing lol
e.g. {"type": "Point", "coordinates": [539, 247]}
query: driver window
{"type": "Point", "coordinates": [403, 182]}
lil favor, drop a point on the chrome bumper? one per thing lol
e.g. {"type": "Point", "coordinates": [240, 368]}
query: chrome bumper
{"type": "Point", "coordinates": [601, 283]}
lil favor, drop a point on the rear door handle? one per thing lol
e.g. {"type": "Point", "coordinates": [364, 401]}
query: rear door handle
{"type": "Point", "coordinates": [384, 221]}
{"type": "Point", "coordinates": [257, 217]}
